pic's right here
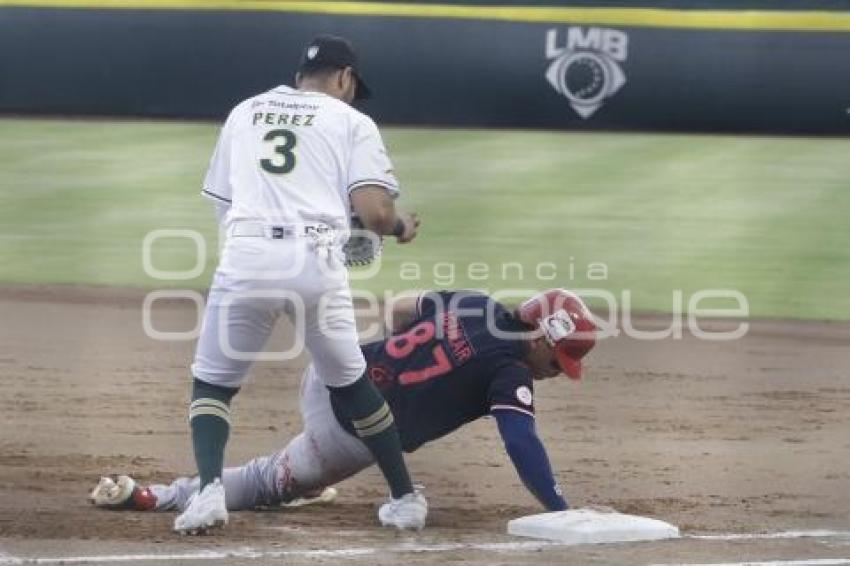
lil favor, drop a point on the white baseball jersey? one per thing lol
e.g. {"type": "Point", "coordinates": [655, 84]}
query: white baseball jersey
{"type": "Point", "coordinates": [292, 156]}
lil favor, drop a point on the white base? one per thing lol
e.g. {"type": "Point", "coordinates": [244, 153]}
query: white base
{"type": "Point", "coordinates": [591, 526]}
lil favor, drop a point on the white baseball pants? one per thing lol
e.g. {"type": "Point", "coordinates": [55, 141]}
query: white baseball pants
{"type": "Point", "coordinates": [257, 279]}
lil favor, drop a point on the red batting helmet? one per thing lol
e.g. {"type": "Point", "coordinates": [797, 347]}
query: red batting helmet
{"type": "Point", "coordinates": [566, 323]}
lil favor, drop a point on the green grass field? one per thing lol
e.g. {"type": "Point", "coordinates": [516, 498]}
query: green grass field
{"type": "Point", "coordinates": [765, 216]}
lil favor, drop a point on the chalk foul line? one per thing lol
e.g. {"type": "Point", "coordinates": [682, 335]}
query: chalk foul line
{"type": "Point", "coordinates": [410, 547]}
{"type": "Point", "coordinates": [822, 533]}
{"type": "Point", "coordinates": [792, 562]}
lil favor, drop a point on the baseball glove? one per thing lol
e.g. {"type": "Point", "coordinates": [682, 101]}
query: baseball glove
{"type": "Point", "coordinates": [363, 247]}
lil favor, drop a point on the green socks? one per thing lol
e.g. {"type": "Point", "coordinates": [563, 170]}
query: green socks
{"type": "Point", "coordinates": [209, 418]}
{"type": "Point", "coordinates": [373, 422]}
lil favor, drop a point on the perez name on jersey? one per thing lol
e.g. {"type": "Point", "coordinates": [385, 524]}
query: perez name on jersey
{"type": "Point", "coordinates": [282, 119]}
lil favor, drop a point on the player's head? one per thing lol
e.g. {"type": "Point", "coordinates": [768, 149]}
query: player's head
{"type": "Point", "coordinates": [567, 332]}
{"type": "Point", "coordinates": [330, 62]}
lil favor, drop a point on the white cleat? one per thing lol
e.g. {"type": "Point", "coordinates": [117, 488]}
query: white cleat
{"type": "Point", "coordinates": [206, 510]}
{"type": "Point", "coordinates": [407, 512]}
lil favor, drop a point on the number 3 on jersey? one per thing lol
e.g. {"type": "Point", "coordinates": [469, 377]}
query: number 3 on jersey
{"type": "Point", "coordinates": [284, 159]}
{"type": "Point", "coordinates": [403, 345]}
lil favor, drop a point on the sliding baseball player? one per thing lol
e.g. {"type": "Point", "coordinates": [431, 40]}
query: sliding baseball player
{"type": "Point", "coordinates": [452, 358]}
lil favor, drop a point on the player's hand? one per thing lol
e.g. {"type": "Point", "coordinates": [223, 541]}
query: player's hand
{"type": "Point", "coordinates": [411, 227]}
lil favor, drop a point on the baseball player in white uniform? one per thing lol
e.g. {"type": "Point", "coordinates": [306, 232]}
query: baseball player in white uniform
{"type": "Point", "coordinates": [290, 166]}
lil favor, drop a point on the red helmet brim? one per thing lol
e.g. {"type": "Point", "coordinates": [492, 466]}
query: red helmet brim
{"type": "Point", "coordinates": [570, 366]}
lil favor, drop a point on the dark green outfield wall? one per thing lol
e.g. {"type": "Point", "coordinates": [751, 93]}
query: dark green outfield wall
{"type": "Point", "coordinates": [461, 72]}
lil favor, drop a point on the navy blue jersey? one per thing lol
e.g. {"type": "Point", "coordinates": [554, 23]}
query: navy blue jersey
{"type": "Point", "coordinates": [456, 363]}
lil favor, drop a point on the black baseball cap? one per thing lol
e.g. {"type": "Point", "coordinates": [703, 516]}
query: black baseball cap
{"type": "Point", "coordinates": [332, 52]}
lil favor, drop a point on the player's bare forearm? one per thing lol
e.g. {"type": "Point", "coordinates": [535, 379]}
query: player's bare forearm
{"type": "Point", "coordinates": [403, 311]}
{"type": "Point", "coordinates": [375, 207]}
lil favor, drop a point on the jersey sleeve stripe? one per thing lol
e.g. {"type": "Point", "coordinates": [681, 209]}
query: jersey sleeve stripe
{"type": "Point", "coordinates": [210, 194]}
{"type": "Point", "coordinates": [511, 407]}
{"type": "Point", "coordinates": [379, 182]}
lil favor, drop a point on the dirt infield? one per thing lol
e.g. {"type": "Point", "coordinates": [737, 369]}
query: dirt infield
{"type": "Point", "coordinates": [717, 437]}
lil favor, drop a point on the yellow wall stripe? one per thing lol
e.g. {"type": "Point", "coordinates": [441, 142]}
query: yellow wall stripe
{"type": "Point", "coordinates": [641, 17]}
